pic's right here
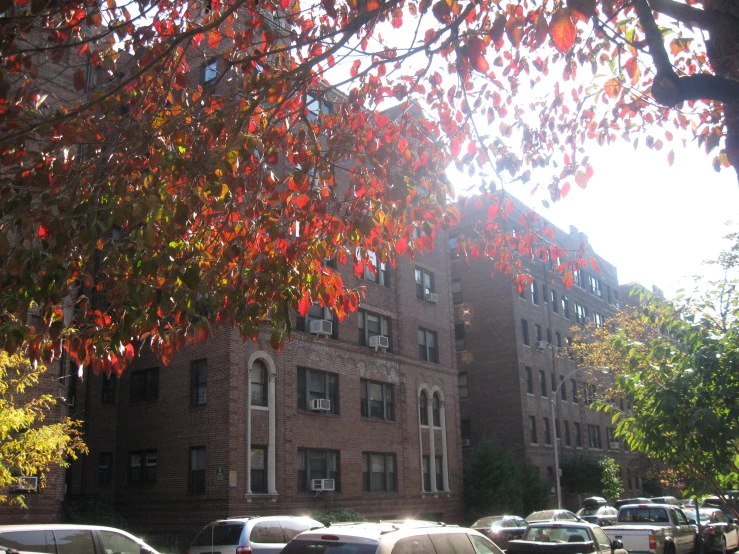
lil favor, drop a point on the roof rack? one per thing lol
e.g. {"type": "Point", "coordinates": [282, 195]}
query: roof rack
{"type": "Point", "coordinates": [249, 516]}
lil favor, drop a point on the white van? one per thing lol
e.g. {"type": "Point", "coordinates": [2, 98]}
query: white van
{"type": "Point", "coordinates": [69, 539]}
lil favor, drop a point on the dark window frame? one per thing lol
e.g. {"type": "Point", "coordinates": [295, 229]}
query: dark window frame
{"type": "Point", "coordinates": [197, 475]}
{"type": "Point", "coordinates": [199, 382]}
{"type": "Point", "coordinates": [427, 353]}
{"type": "Point", "coordinates": [387, 406]}
{"type": "Point", "coordinates": [148, 471]}
{"type": "Point", "coordinates": [421, 288]}
{"type": "Point", "coordinates": [259, 485]}
{"type": "Point", "coordinates": [150, 388]}
{"type": "Point", "coordinates": [389, 478]}
{"type": "Point", "coordinates": [304, 481]}
{"type": "Point", "coordinates": [364, 330]}
{"type": "Point", "coordinates": [259, 391]}
{"type": "Point", "coordinates": [105, 468]}
{"type": "Point", "coordinates": [330, 381]}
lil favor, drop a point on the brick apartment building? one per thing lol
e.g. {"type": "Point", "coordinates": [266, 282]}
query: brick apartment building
{"type": "Point", "coordinates": [230, 428]}
{"type": "Point", "coordinates": [512, 356]}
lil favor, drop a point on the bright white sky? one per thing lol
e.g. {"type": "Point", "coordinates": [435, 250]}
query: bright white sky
{"type": "Point", "coordinates": [655, 223]}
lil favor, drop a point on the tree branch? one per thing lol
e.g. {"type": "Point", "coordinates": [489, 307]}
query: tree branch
{"type": "Point", "coordinates": [710, 20]}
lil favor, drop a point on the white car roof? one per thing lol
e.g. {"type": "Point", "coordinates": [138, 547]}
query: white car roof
{"type": "Point", "coordinates": [67, 527]}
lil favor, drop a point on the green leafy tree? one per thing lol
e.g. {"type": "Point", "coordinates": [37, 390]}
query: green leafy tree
{"type": "Point", "coordinates": [495, 482]}
{"type": "Point", "coordinates": [675, 363]}
{"type": "Point", "coordinates": [612, 486]}
{"type": "Point", "coordinates": [581, 474]}
{"type": "Point", "coordinates": [29, 444]}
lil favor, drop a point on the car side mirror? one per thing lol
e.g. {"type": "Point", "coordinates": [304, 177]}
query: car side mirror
{"type": "Point", "coordinates": [616, 544]}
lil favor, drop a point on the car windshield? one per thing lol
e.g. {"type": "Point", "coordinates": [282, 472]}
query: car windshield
{"type": "Point", "coordinates": [487, 521]}
{"type": "Point", "coordinates": [557, 534]}
{"type": "Point", "coordinates": [645, 515]}
{"type": "Point", "coordinates": [594, 511]}
{"type": "Point", "coordinates": [705, 516]}
{"type": "Point", "coordinates": [540, 516]}
{"type": "Point", "coordinates": [219, 534]}
{"type": "Point", "coordinates": [328, 547]}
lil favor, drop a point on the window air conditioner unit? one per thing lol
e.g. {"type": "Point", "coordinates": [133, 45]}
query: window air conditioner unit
{"type": "Point", "coordinates": [541, 344]}
{"type": "Point", "coordinates": [320, 405]}
{"type": "Point", "coordinates": [614, 445]}
{"type": "Point", "coordinates": [431, 297]}
{"type": "Point", "coordinates": [320, 327]}
{"type": "Point", "coordinates": [378, 341]}
{"type": "Point", "coordinates": [466, 443]}
{"type": "Point", "coordinates": [27, 484]}
{"type": "Point", "coordinates": [322, 485]}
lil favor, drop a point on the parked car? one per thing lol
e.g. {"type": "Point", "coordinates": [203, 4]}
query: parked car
{"type": "Point", "coordinates": [597, 511]}
{"type": "Point", "coordinates": [551, 515]}
{"type": "Point", "coordinates": [70, 539]}
{"type": "Point", "coordinates": [565, 537]}
{"type": "Point", "coordinates": [729, 507]}
{"type": "Point", "coordinates": [391, 538]}
{"type": "Point", "coordinates": [654, 529]}
{"type": "Point", "coordinates": [720, 532]}
{"type": "Point", "coordinates": [666, 500]}
{"type": "Point", "coordinates": [638, 500]}
{"type": "Point", "coordinates": [250, 534]}
{"type": "Point", "coordinates": [501, 529]}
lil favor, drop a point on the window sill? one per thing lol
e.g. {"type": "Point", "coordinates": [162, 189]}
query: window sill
{"type": "Point", "coordinates": [203, 405]}
{"type": "Point", "coordinates": [377, 420]}
{"type": "Point", "coordinates": [266, 495]}
{"type": "Point", "coordinates": [435, 494]}
{"type": "Point", "coordinates": [317, 413]}
{"type": "Point", "coordinates": [260, 408]}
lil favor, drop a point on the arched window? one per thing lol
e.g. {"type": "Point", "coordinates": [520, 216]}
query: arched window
{"type": "Point", "coordinates": [436, 410]}
{"type": "Point", "coordinates": [423, 408]}
{"type": "Point", "coordinates": [258, 378]}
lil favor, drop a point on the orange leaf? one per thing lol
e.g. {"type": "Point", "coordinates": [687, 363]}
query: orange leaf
{"type": "Point", "coordinates": [567, 279]}
{"type": "Point", "coordinates": [562, 30]}
{"type": "Point", "coordinates": [355, 68]}
{"type": "Point", "coordinates": [542, 29]}
{"type": "Point", "coordinates": [304, 304]}
{"type": "Point", "coordinates": [301, 201]}
{"type": "Point", "coordinates": [632, 68]}
{"type": "Point", "coordinates": [514, 30]}
{"type": "Point", "coordinates": [612, 88]}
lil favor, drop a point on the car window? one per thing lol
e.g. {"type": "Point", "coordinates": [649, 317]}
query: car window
{"type": "Point", "coordinates": [74, 541]}
{"type": "Point", "coordinates": [452, 543]}
{"type": "Point", "coordinates": [420, 544]}
{"type": "Point", "coordinates": [334, 547]}
{"type": "Point", "coordinates": [604, 543]}
{"type": "Point", "coordinates": [291, 528]}
{"type": "Point", "coordinates": [219, 534]}
{"type": "Point", "coordinates": [267, 532]}
{"type": "Point", "coordinates": [522, 522]}
{"type": "Point", "coordinates": [509, 523]}
{"type": "Point", "coordinates": [484, 546]}
{"type": "Point", "coordinates": [30, 541]}
{"type": "Point", "coordinates": [118, 543]}
{"type": "Point", "coordinates": [648, 515]}
{"type": "Point", "coordinates": [680, 517]}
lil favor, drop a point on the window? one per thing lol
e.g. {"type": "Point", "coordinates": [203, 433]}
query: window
{"type": "Point", "coordinates": [210, 72]}
{"type": "Point", "coordinates": [316, 106]}
{"type": "Point", "coordinates": [267, 532]}
{"type": "Point", "coordinates": [439, 474]}
{"type": "Point", "coordinates": [378, 472]}
{"type": "Point", "coordinates": [427, 346]}
{"type": "Point", "coordinates": [317, 464]}
{"type": "Point", "coordinates": [116, 542]}
{"type": "Point", "coordinates": [599, 321]}
{"type": "Point", "coordinates": [457, 292]}
{"type": "Point", "coordinates": [555, 306]}
{"type": "Point", "coordinates": [594, 436]}
{"type": "Point", "coordinates": [537, 330]}
{"type": "Point", "coordinates": [559, 339]}
{"type": "Point", "coordinates": [317, 385]}
{"type": "Point", "coordinates": [573, 390]}
{"type": "Point", "coordinates": [371, 325]}
{"type": "Point", "coordinates": [543, 383]}
{"type": "Point", "coordinates": [199, 380]}
{"type": "Point", "coordinates": [466, 430]}
{"type": "Point", "coordinates": [105, 468]}
{"type": "Point", "coordinates": [563, 389]}
{"type": "Point", "coordinates": [529, 381]}
{"type": "Point", "coordinates": [74, 541]}
{"type": "Point", "coordinates": [459, 338]}
{"type": "Point", "coordinates": [549, 335]}
{"type": "Point", "coordinates": [317, 313]}
{"type": "Point", "coordinates": [142, 467]}
{"type": "Point", "coordinates": [589, 392]}
{"type": "Point", "coordinates": [565, 307]}
{"type": "Point", "coordinates": [197, 470]}
{"type": "Point", "coordinates": [554, 382]}
{"type": "Point", "coordinates": [423, 409]}
{"type": "Point", "coordinates": [581, 313]}
{"type": "Point", "coordinates": [424, 283]}
{"type": "Point", "coordinates": [377, 400]}
{"type": "Point", "coordinates": [110, 384]}
{"type": "Point", "coordinates": [258, 470]}
{"type": "Point", "coordinates": [578, 435]}
{"type": "Point", "coordinates": [544, 294]}
{"type": "Point", "coordinates": [464, 391]}
{"type": "Point", "coordinates": [145, 384]}
{"type": "Point", "coordinates": [532, 430]}
{"type": "Point", "coordinates": [426, 474]}
{"type": "Point", "coordinates": [436, 410]}
{"type": "Point", "coordinates": [525, 331]}
{"type": "Point", "coordinates": [380, 275]}
{"type": "Point", "coordinates": [567, 433]}
{"type": "Point", "coordinates": [534, 293]}
{"type": "Point", "coordinates": [453, 254]}
{"type": "Point", "coordinates": [595, 286]}
{"type": "Point", "coordinates": [547, 432]}
{"type": "Point", "coordinates": [258, 382]}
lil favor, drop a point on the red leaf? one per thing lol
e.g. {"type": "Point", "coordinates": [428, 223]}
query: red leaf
{"type": "Point", "coordinates": [498, 28]}
{"type": "Point", "coordinates": [301, 201]}
{"type": "Point", "coordinates": [476, 54]}
{"type": "Point", "coordinates": [514, 30]}
{"type": "Point", "coordinates": [493, 212]}
{"type": "Point", "coordinates": [304, 304]}
{"type": "Point", "coordinates": [43, 231]}
{"type": "Point", "coordinates": [401, 245]}
{"type": "Point", "coordinates": [475, 251]}
{"type": "Point", "coordinates": [632, 68]}
{"type": "Point", "coordinates": [328, 5]}
{"type": "Point", "coordinates": [214, 38]}
{"type": "Point", "coordinates": [582, 8]}
{"type": "Point", "coordinates": [562, 30]}
{"type": "Point", "coordinates": [80, 83]}
{"type": "Point", "coordinates": [355, 68]}
{"type": "Point", "coordinates": [359, 269]}
{"type": "Point", "coordinates": [567, 279]}
{"type": "Point", "coordinates": [442, 11]}
{"type": "Point", "coordinates": [542, 29]}
{"type": "Point", "coordinates": [671, 157]}
{"type": "Point", "coordinates": [594, 265]}
{"type": "Point", "coordinates": [564, 191]}
{"type": "Point", "coordinates": [456, 146]}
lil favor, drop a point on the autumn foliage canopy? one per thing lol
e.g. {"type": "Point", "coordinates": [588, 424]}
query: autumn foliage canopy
{"type": "Point", "coordinates": [170, 166]}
